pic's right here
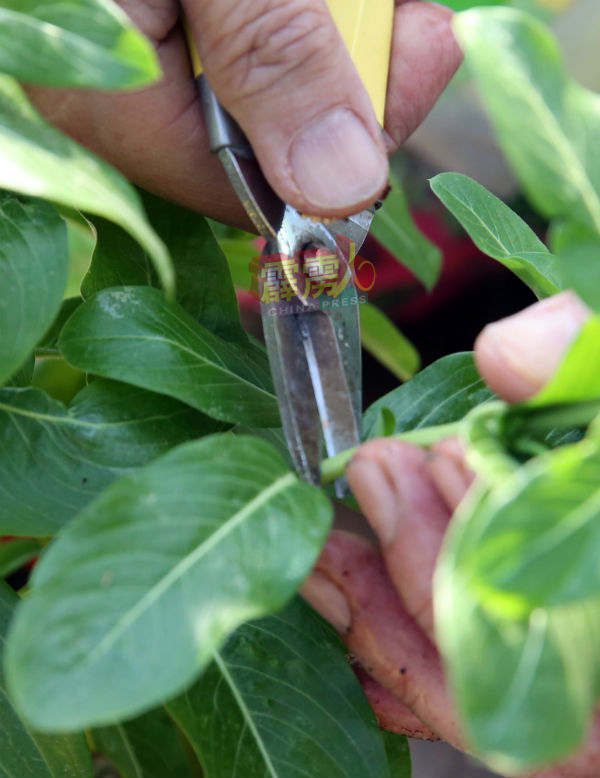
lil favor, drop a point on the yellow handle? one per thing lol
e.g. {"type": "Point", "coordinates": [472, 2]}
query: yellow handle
{"type": "Point", "coordinates": [366, 27]}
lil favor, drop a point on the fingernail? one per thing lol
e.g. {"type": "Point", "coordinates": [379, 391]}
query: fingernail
{"type": "Point", "coordinates": [328, 600]}
{"type": "Point", "coordinates": [532, 343]}
{"type": "Point", "coordinates": [336, 163]}
{"type": "Point", "coordinates": [379, 502]}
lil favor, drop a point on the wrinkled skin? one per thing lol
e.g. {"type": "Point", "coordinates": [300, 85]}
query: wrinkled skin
{"type": "Point", "coordinates": [380, 598]}
{"type": "Point", "coordinates": [278, 66]}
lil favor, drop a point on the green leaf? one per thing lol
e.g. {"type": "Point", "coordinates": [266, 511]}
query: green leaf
{"type": "Point", "coordinates": [203, 280]}
{"type": "Point", "coordinates": [49, 342]}
{"type": "Point", "coordinates": [385, 425]}
{"type": "Point", "coordinates": [385, 342]}
{"type": "Point", "coordinates": [34, 263]}
{"type": "Point", "coordinates": [275, 436]}
{"type": "Point", "coordinates": [538, 536]}
{"type": "Point", "coordinates": [482, 433]}
{"type": "Point", "coordinates": [54, 460]}
{"type": "Point", "coordinates": [281, 689]}
{"type": "Point", "coordinates": [29, 754]}
{"type": "Point", "coordinates": [535, 707]}
{"type": "Point", "coordinates": [74, 43]}
{"type": "Point", "coordinates": [442, 393]}
{"type": "Point", "coordinates": [394, 227]}
{"type": "Point", "coordinates": [134, 334]}
{"type": "Point", "coordinates": [578, 249]}
{"type": "Point", "coordinates": [499, 232]}
{"type": "Point", "coordinates": [546, 123]}
{"type": "Point", "coordinates": [82, 242]}
{"type": "Point", "coordinates": [581, 271]}
{"type": "Point", "coordinates": [398, 754]}
{"type": "Point", "coordinates": [24, 374]}
{"type": "Point", "coordinates": [150, 746]}
{"type": "Point", "coordinates": [131, 601]}
{"type": "Point", "coordinates": [241, 254]}
{"type": "Point", "coordinates": [36, 159]}
{"type": "Point", "coordinates": [16, 553]}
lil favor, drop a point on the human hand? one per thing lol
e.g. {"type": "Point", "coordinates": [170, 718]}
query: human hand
{"type": "Point", "coordinates": [281, 69]}
{"type": "Point", "coordinates": [380, 600]}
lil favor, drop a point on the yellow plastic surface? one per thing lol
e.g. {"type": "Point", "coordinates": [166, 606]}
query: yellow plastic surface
{"type": "Point", "coordinates": [366, 26]}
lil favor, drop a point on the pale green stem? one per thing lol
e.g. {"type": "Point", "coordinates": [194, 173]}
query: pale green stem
{"type": "Point", "coordinates": [333, 468]}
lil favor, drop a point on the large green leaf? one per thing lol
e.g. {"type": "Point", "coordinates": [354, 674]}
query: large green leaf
{"type": "Point", "coordinates": [538, 536]}
{"type": "Point", "coordinates": [535, 707]}
{"type": "Point", "coordinates": [281, 689]}
{"type": "Point", "coordinates": [34, 264]}
{"type": "Point", "coordinates": [25, 753]}
{"type": "Point", "coordinates": [578, 250]}
{"type": "Point", "coordinates": [36, 159]}
{"type": "Point", "coordinates": [150, 746]}
{"type": "Point", "coordinates": [134, 334]}
{"type": "Point", "coordinates": [133, 598]}
{"type": "Point", "coordinates": [204, 285]}
{"type": "Point", "coordinates": [546, 123]}
{"type": "Point", "coordinates": [442, 393]}
{"type": "Point", "coordinates": [73, 43]}
{"type": "Point", "coordinates": [394, 227]}
{"type": "Point", "coordinates": [385, 342]}
{"type": "Point", "coordinates": [54, 460]}
{"type": "Point", "coordinates": [499, 232]}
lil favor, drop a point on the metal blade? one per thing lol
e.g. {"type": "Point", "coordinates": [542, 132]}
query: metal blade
{"type": "Point", "coordinates": [334, 401]}
{"type": "Point", "coordinates": [309, 366]}
{"type": "Point", "coordinates": [293, 385]}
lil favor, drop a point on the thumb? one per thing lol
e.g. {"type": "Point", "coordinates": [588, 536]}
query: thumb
{"type": "Point", "coordinates": [517, 355]}
{"type": "Point", "coordinates": [280, 67]}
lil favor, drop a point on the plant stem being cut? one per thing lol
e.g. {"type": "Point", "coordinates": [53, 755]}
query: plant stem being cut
{"type": "Point", "coordinates": [334, 467]}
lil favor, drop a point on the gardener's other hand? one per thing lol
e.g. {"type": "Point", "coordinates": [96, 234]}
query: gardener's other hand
{"type": "Point", "coordinates": [381, 600]}
{"type": "Point", "coordinates": [281, 68]}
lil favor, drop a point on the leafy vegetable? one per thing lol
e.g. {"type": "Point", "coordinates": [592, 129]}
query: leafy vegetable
{"type": "Point", "coordinates": [167, 546]}
{"type": "Point", "coordinates": [499, 232]}
{"type": "Point", "coordinates": [546, 123]}
{"type": "Point", "coordinates": [55, 459]}
{"type": "Point", "coordinates": [73, 43]}
{"type": "Point", "coordinates": [134, 334]}
{"type": "Point", "coordinates": [34, 263]}
{"type": "Point", "coordinates": [37, 160]}
{"type": "Point", "coordinates": [147, 747]}
{"type": "Point", "coordinates": [281, 689]}
{"type": "Point", "coordinates": [385, 341]}
{"type": "Point", "coordinates": [539, 657]}
{"type": "Point", "coordinates": [26, 753]}
{"type": "Point", "coordinates": [442, 393]}
{"type": "Point", "coordinates": [394, 228]}
{"type": "Point", "coordinates": [204, 286]}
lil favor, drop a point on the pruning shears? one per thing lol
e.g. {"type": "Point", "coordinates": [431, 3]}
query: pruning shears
{"type": "Point", "coordinates": [313, 342]}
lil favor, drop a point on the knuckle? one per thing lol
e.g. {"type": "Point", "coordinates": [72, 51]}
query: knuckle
{"type": "Point", "coordinates": [267, 43]}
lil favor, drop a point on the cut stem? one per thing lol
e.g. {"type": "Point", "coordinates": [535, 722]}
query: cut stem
{"type": "Point", "coordinates": [333, 468]}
